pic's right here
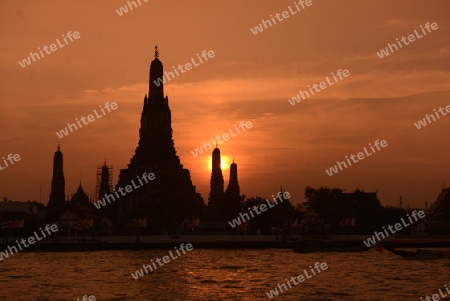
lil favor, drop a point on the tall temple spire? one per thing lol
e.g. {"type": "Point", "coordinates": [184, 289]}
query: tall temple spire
{"type": "Point", "coordinates": [233, 183]}
{"type": "Point", "coordinates": [104, 180]}
{"type": "Point", "coordinates": [57, 202]}
{"type": "Point", "coordinates": [171, 198]}
{"type": "Point", "coordinates": [216, 194]}
{"type": "Point", "coordinates": [216, 174]}
{"type": "Point", "coordinates": [156, 118]}
{"type": "Point", "coordinates": [104, 187]}
{"type": "Point", "coordinates": [223, 205]}
{"type": "Point", "coordinates": [233, 191]}
{"type": "Point", "coordinates": [216, 164]}
{"type": "Point", "coordinates": [156, 83]}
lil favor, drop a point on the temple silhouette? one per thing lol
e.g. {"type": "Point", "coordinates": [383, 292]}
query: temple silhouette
{"type": "Point", "coordinates": [170, 202]}
{"type": "Point", "coordinates": [57, 202]}
{"type": "Point", "coordinates": [171, 197]}
{"type": "Point", "coordinates": [222, 205]}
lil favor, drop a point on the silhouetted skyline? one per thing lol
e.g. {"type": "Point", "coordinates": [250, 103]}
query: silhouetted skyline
{"type": "Point", "coordinates": [250, 78]}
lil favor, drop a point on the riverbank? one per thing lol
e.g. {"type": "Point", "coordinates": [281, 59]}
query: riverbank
{"type": "Point", "coordinates": [155, 242]}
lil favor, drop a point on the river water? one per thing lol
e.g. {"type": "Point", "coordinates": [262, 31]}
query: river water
{"type": "Point", "coordinates": [218, 275]}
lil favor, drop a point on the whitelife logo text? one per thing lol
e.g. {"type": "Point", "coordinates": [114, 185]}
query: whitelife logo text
{"type": "Point", "coordinates": [302, 95]}
{"type": "Point", "coordinates": [167, 74]}
{"type": "Point", "coordinates": [423, 122]}
{"type": "Point", "coordinates": [33, 55]}
{"type": "Point", "coordinates": [360, 156]}
{"type": "Point", "coordinates": [124, 9]}
{"type": "Point", "coordinates": [166, 259]}
{"type": "Point", "coordinates": [91, 118]}
{"type": "Point", "coordinates": [285, 14]}
{"type": "Point", "coordinates": [379, 235]}
{"type": "Point", "coordinates": [411, 38]}
{"type": "Point", "coordinates": [128, 189]}
{"type": "Point", "coordinates": [10, 158]}
{"type": "Point", "coordinates": [225, 137]}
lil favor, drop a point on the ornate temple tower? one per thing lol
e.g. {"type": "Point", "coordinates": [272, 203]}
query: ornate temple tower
{"type": "Point", "coordinates": [216, 195]}
{"type": "Point", "coordinates": [104, 187]}
{"type": "Point", "coordinates": [216, 176]}
{"type": "Point", "coordinates": [57, 202]}
{"type": "Point", "coordinates": [170, 198]}
{"type": "Point", "coordinates": [223, 206]}
{"type": "Point", "coordinates": [232, 194]}
{"type": "Point", "coordinates": [233, 185]}
{"type": "Point", "coordinates": [104, 180]}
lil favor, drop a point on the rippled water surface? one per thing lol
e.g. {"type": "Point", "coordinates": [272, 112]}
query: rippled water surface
{"type": "Point", "coordinates": [218, 275]}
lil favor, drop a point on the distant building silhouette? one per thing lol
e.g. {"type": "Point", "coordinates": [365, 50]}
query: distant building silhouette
{"type": "Point", "coordinates": [80, 204]}
{"type": "Point", "coordinates": [441, 207]}
{"type": "Point", "coordinates": [80, 196]}
{"type": "Point", "coordinates": [359, 195]}
{"type": "Point", "coordinates": [104, 187]}
{"type": "Point", "coordinates": [438, 216]}
{"type": "Point", "coordinates": [13, 207]}
{"type": "Point", "coordinates": [233, 185]}
{"type": "Point", "coordinates": [104, 180]}
{"type": "Point", "coordinates": [57, 202]}
{"type": "Point", "coordinates": [232, 195]}
{"type": "Point", "coordinates": [170, 198]}
{"type": "Point", "coordinates": [223, 206]}
{"type": "Point", "coordinates": [216, 198]}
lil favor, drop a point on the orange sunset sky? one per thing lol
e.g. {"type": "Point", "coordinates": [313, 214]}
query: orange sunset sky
{"type": "Point", "coordinates": [250, 78]}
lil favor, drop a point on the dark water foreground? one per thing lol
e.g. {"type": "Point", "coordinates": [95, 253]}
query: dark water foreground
{"type": "Point", "coordinates": [218, 275]}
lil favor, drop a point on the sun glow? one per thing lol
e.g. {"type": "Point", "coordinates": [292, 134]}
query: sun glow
{"type": "Point", "coordinates": [224, 162]}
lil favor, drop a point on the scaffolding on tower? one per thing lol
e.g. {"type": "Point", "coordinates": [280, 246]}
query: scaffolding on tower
{"type": "Point", "coordinates": [104, 180]}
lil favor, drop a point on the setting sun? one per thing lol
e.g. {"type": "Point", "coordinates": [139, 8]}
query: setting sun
{"type": "Point", "coordinates": [224, 162]}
